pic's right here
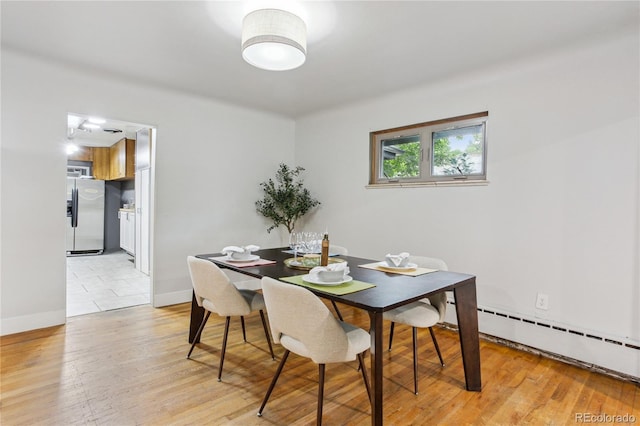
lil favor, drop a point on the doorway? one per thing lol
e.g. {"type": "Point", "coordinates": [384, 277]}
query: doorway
{"type": "Point", "coordinates": [117, 155]}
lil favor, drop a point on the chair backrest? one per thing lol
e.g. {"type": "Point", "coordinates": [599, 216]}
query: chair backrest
{"type": "Point", "coordinates": [334, 249]}
{"type": "Point", "coordinates": [213, 289]}
{"type": "Point", "coordinates": [297, 313]}
{"type": "Point", "coordinates": [438, 300]}
{"type": "Point", "coordinates": [429, 262]}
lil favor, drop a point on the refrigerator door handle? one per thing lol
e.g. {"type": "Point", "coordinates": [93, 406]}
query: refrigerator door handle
{"type": "Point", "coordinates": [74, 209]}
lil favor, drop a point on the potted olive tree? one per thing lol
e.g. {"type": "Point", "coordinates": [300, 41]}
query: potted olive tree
{"type": "Point", "coordinates": [285, 199]}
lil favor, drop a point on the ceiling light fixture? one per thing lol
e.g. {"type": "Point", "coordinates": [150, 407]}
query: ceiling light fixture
{"type": "Point", "coordinates": [88, 126]}
{"type": "Point", "coordinates": [274, 39]}
{"type": "Point", "coordinates": [71, 148]}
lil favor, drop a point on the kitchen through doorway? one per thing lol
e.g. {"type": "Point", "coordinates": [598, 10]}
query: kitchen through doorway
{"type": "Point", "coordinates": [109, 190]}
{"type": "Point", "coordinates": [104, 282]}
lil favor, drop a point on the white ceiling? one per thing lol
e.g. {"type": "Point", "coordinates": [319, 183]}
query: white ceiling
{"type": "Point", "coordinates": [356, 49]}
{"type": "Point", "coordinates": [109, 132]}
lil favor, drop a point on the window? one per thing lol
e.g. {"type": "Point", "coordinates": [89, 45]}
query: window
{"type": "Point", "coordinates": [442, 151]}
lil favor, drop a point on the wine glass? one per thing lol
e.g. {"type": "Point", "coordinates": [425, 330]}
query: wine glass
{"type": "Point", "coordinates": [314, 242]}
{"type": "Point", "coordinates": [306, 242]}
{"type": "Point", "coordinates": [295, 243]}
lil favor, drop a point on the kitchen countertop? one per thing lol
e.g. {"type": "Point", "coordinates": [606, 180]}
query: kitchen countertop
{"type": "Point", "coordinates": [128, 210]}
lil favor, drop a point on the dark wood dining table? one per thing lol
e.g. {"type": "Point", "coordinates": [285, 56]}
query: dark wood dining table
{"type": "Point", "coordinates": [391, 290]}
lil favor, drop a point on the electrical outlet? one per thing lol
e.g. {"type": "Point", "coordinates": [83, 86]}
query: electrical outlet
{"type": "Point", "coordinates": [542, 302]}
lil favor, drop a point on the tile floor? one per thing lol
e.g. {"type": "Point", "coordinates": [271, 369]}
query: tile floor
{"type": "Point", "coordinates": [104, 282]}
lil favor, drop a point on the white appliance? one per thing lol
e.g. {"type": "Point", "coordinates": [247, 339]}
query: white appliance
{"type": "Point", "coordinates": [145, 139]}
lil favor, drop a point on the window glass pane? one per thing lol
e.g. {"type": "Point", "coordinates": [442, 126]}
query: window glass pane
{"type": "Point", "coordinates": [401, 157]}
{"type": "Point", "coordinates": [446, 151]}
{"type": "Point", "coordinates": [458, 151]}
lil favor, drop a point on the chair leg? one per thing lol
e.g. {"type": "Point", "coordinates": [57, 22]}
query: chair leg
{"type": "Point", "coordinates": [364, 374]}
{"type": "Point", "coordinates": [415, 360]}
{"type": "Point", "coordinates": [320, 393]}
{"type": "Point", "coordinates": [435, 343]}
{"type": "Point", "coordinates": [337, 310]}
{"type": "Point", "coordinates": [224, 347]}
{"type": "Point", "coordinates": [393, 324]}
{"type": "Point", "coordinates": [266, 334]}
{"type": "Point", "coordinates": [273, 382]}
{"type": "Point", "coordinates": [196, 339]}
{"type": "Point", "coordinates": [244, 333]}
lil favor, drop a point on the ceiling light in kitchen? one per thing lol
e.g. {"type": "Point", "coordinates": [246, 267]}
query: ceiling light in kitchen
{"type": "Point", "coordinates": [86, 125]}
{"type": "Point", "coordinates": [71, 148]}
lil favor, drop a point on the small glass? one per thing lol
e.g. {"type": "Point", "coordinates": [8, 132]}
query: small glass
{"type": "Point", "coordinates": [311, 260]}
{"type": "Point", "coordinates": [312, 242]}
{"type": "Point", "coordinates": [295, 243]}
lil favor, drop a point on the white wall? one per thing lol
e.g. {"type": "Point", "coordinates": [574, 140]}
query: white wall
{"type": "Point", "coordinates": [210, 158]}
{"type": "Point", "coordinates": [560, 215]}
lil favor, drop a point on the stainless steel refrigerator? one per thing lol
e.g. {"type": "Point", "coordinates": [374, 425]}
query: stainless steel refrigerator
{"type": "Point", "coordinates": [85, 215]}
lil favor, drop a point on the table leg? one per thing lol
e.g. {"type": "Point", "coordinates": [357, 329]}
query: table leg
{"type": "Point", "coordinates": [375, 330]}
{"type": "Point", "coordinates": [197, 315]}
{"type": "Point", "coordinates": [467, 313]}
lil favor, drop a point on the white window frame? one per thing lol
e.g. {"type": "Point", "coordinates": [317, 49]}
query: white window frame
{"type": "Point", "coordinates": [425, 131]}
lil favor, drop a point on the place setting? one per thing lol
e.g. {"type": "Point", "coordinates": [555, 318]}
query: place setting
{"type": "Point", "coordinates": [398, 264]}
{"type": "Point", "coordinates": [333, 278]}
{"type": "Point", "coordinates": [242, 256]}
{"type": "Point", "coordinates": [308, 261]}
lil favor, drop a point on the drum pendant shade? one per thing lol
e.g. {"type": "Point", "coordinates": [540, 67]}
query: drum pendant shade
{"type": "Point", "coordinates": [274, 39]}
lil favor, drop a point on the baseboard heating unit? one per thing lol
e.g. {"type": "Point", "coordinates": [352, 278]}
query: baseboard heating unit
{"type": "Point", "coordinates": [615, 357]}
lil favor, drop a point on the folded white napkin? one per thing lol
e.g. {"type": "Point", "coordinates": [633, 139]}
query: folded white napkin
{"type": "Point", "coordinates": [397, 259]}
{"type": "Point", "coordinates": [335, 269]}
{"type": "Point", "coordinates": [340, 266]}
{"type": "Point", "coordinates": [235, 249]}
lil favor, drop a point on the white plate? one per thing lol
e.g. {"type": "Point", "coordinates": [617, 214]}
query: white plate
{"type": "Point", "coordinates": [309, 279]}
{"type": "Point", "coordinates": [408, 267]}
{"type": "Point", "coordinates": [251, 258]}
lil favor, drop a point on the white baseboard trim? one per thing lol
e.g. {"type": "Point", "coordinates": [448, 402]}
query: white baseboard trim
{"type": "Point", "coordinates": [588, 350]}
{"type": "Point", "coordinates": [173, 298]}
{"type": "Point", "coordinates": [49, 319]}
{"type": "Point", "coordinates": [32, 322]}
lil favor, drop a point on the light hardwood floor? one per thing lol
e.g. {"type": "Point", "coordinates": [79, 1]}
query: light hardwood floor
{"type": "Point", "coordinates": [128, 367]}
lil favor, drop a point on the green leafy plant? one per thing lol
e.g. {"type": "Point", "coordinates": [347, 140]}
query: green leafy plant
{"type": "Point", "coordinates": [459, 165]}
{"type": "Point", "coordinates": [285, 199]}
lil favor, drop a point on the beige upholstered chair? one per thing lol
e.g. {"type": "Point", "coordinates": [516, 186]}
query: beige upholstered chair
{"type": "Point", "coordinates": [216, 293]}
{"type": "Point", "coordinates": [424, 313]}
{"type": "Point", "coordinates": [304, 325]}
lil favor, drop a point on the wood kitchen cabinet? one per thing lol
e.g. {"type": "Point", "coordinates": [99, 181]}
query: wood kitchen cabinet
{"type": "Point", "coordinates": [122, 160]}
{"type": "Point", "coordinates": [101, 160]}
{"type": "Point", "coordinates": [117, 162]}
{"type": "Point", "coordinates": [84, 153]}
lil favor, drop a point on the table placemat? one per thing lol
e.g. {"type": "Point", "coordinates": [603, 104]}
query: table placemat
{"type": "Point", "coordinates": [339, 290]}
{"type": "Point", "coordinates": [259, 262]}
{"type": "Point", "coordinates": [414, 273]}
